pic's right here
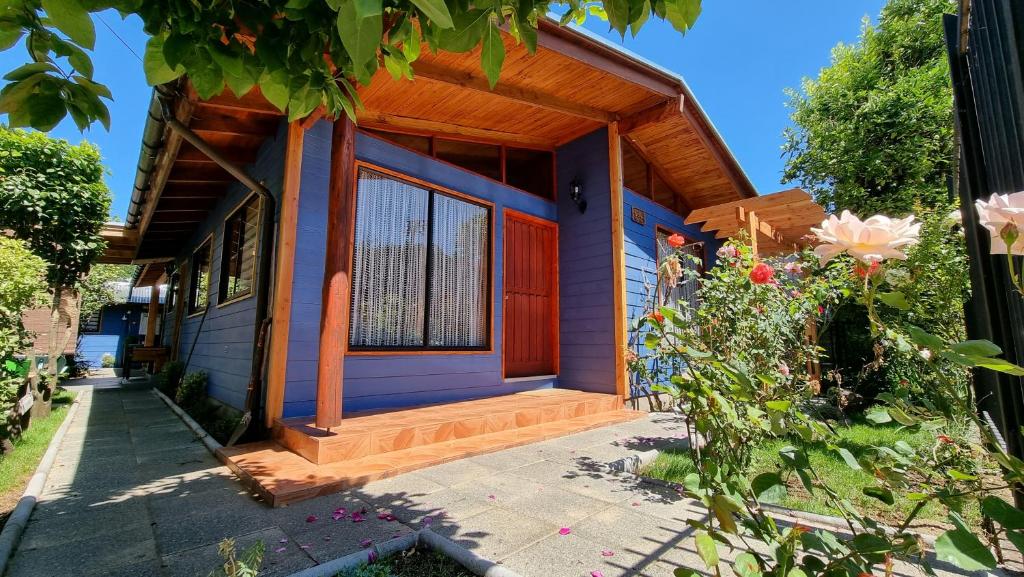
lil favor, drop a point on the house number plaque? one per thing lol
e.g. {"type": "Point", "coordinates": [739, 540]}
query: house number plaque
{"type": "Point", "coordinates": [639, 216]}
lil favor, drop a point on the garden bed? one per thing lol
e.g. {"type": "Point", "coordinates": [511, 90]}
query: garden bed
{"type": "Point", "coordinates": [412, 563]}
{"type": "Point", "coordinates": [17, 467]}
{"type": "Point", "coordinates": [673, 465]}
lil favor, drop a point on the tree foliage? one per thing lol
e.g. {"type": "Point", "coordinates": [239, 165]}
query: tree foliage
{"type": "Point", "coordinates": [22, 277]}
{"type": "Point", "coordinates": [97, 290]}
{"type": "Point", "coordinates": [302, 54]}
{"type": "Point", "coordinates": [874, 132]}
{"type": "Point", "coordinates": [53, 197]}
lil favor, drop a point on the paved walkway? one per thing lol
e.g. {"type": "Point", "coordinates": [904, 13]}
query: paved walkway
{"type": "Point", "coordinates": [134, 493]}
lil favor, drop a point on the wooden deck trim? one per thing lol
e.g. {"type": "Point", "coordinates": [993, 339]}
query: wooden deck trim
{"type": "Point", "coordinates": [618, 256]}
{"type": "Point", "coordinates": [284, 275]}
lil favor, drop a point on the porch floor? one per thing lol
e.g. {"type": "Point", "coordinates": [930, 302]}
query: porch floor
{"type": "Point", "coordinates": [374, 446]}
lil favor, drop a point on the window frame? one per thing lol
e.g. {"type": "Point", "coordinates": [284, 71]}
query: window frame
{"type": "Point", "coordinates": [489, 291]}
{"type": "Point", "coordinates": [432, 137]}
{"type": "Point", "coordinates": [99, 324]}
{"type": "Point", "coordinates": [190, 311]}
{"type": "Point", "coordinates": [659, 229]}
{"type": "Point", "coordinates": [222, 298]}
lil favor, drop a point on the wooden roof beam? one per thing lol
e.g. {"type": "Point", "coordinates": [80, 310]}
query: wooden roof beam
{"type": "Point", "coordinates": [384, 121]}
{"type": "Point", "coordinates": [646, 156]}
{"type": "Point", "coordinates": [652, 115]}
{"type": "Point", "coordinates": [729, 208]}
{"type": "Point", "coordinates": [434, 73]}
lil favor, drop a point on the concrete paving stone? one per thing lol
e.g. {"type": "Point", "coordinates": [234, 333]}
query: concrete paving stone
{"type": "Point", "coordinates": [89, 436]}
{"type": "Point", "coordinates": [204, 559]}
{"type": "Point", "coordinates": [456, 472]}
{"type": "Point", "coordinates": [574, 556]}
{"type": "Point", "coordinates": [193, 452]}
{"type": "Point", "coordinates": [85, 524]}
{"type": "Point", "coordinates": [499, 488]}
{"type": "Point", "coordinates": [198, 482]}
{"type": "Point", "coordinates": [327, 539]}
{"type": "Point", "coordinates": [648, 536]}
{"type": "Point", "coordinates": [509, 459]}
{"type": "Point", "coordinates": [237, 499]}
{"type": "Point", "coordinates": [663, 503]}
{"type": "Point", "coordinates": [584, 440]}
{"type": "Point", "coordinates": [497, 533]}
{"type": "Point", "coordinates": [78, 427]}
{"type": "Point", "coordinates": [174, 468]}
{"type": "Point", "coordinates": [187, 529]}
{"type": "Point", "coordinates": [65, 501]}
{"type": "Point", "coordinates": [595, 484]}
{"type": "Point", "coordinates": [396, 490]}
{"type": "Point", "coordinates": [141, 435]}
{"type": "Point", "coordinates": [73, 459]}
{"type": "Point", "coordinates": [555, 505]}
{"type": "Point", "coordinates": [149, 568]}
{"type": "Point", "coordinates": [447, 506]}
{"type": "Point", "coordinates": [93, 556]}
{"type": "Point", "coordinates": [294, 518]}
{"type": "Point", "coordinates": [91, 479]}
{"type": "Point", "coordinates": [171, 441]}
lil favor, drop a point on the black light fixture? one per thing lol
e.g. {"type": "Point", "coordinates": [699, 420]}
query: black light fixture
{"type": "Point", "coordinates": [576, 195]}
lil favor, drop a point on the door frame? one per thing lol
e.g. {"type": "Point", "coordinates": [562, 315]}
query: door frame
{"type": "Point", "coordinates": [508, 214]}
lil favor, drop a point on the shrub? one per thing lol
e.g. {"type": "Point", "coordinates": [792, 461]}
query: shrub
{"type": "Point", "coordinates": [247, 566]}
{"type": "Point", "coordinates": [107, 361]}
{"type": "Point", "coordinates": [169, 377]}
{"type": "Point", "coordinates": [192, 391]}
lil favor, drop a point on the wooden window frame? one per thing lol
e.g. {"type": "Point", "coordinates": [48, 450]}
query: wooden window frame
{"type": "Point", "coordinates": [659, 228]}
{"type": "Point", "coordinates": [99, 325]}
{"type": "Point", "coordinates": [488, 308]}
{"type": "Point", "coordinates": [224, 299]}
{"type": "Point", "coordinates": [457, 138]}
{"type": "Point", "coordinates": [208, 244]}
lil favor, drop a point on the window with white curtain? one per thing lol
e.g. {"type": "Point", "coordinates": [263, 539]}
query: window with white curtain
{"type": "Point", "coordinates": [691, 259]}
{"type": "Point", "coordinates": [421, 268]}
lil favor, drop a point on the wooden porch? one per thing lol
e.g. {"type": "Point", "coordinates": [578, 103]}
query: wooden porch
{"type": "Point", "coordinates": [303, 462]}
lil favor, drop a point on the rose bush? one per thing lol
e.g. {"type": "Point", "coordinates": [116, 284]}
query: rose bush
{"type": "Point", "coordinates": [736, 367]}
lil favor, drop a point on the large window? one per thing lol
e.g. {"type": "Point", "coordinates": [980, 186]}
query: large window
{"type": "Point", "coordinates": [421, 269]}
{"type": "Point", "coordinates": [674, 289]}
{"type": "Point", "coordinates": [199, 280]}
{"type": "Point", "coordinates": [238, 263]}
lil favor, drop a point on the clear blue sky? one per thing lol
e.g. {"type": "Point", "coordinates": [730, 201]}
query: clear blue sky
{"type": "Point", "coordinates": [738, 60]}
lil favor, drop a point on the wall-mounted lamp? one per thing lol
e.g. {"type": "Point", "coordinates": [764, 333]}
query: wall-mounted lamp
{"type": "Point", "coordinates": [576, 195]}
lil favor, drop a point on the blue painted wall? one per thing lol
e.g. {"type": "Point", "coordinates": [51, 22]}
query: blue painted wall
{"type": "Point", "coordinates": [586, 285]}
{"type": "Point", "coordinates": [111, 336]}
{"type": "Point", "coordinates": [385, 381]}
{"type": "Point", "coordinates": [223, 348]}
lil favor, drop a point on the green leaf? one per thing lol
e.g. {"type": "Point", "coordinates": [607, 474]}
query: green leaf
{"type": "Point", "coordinates": [901, 417]}
{"type": "Point", "coordinates": [961, 548]}
{"type": "Point", "coordinates": [746, 565]}
{"type": "Point", "coordinates": [361, 39]}
{"type": "Point", "coordinates": [977, 348]}
{"type": "Point", "coordinates": [878, 416]}
{"type": "Point", "coordinates": [768, 488]}
{"type": "Point", "coordinates": [793, 457]}
{"type": "Point", "coordinates": [847, 456]}
{"type": "Point", "coordinates": [1017, 538]}
{"type": "Point", "coordinates": [26, 70]}
{"type": "Point", "coordinates": [155, 64]}
{"type": "Point", "coordinates": [684, 572]}
{"type": "Point", "coordinates": [274, 86]}
{"type": "Point", "coordinates": [618, 15]}
{"type": "Point", "coordinates": [1008, 516]}
{"type": "Point", "coordinates": [780, 406]}
{"type": "Point", "coordinates": [960, 476]}
{"type": "Point", "coordinates": [46, 110]}
{"type": "Point", "coordinates": [436, 11]}
{"type": "Point", "coordinates": [492, 54]}
{"type": "Point", "coordinates": [998, 365]}
{"type": "Point", "coordinates": [682, 14]}
{"type": "Point", "coordinates": [72, 19]}
{"type": "Point", "coordinates": [896, 300]}
{"type": "Point", "coordinates": [466, 33]}
{"type": "Point", "coordinates": [9, 35]}
{"type": "Point", "coordinates": [872, 547]}
{"type": "Point", "coordinates": [924, 339]}
{"type": "Point", "coordinates": [707, 549]}
{"type": "Point", "coordinates": [881, 493]}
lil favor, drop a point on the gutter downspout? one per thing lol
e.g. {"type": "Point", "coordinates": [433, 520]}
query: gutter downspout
{"type": "Point", "coordinates": [255, 389]}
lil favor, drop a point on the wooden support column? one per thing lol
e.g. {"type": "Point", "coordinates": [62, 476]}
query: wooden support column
{"type": "Point", "coordinates": [334, 315]}
{"type": "Point", "coordinates": [618, 256]}
{"type": "Point", "coordinates": [284, 273]}
{"type": "Point", "coordinates": [154, 311]}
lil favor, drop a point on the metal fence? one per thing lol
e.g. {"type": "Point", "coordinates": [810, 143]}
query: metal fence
{"type": "Point", "coordinates": [986, 47]}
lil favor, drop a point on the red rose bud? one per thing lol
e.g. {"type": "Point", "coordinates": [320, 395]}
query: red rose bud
{"type": "Point", "coordinates": [657, 316]}
{"type": "Point", "coordinates": [762, 273]}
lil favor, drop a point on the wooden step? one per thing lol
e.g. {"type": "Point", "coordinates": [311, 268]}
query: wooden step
{"type": "Point", "coordinates": [367, 434]}
{"type": "Point", "coordinates": [282, 477]}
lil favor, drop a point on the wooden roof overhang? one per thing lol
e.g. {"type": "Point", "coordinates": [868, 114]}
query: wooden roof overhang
{"type": "Point", "coordinates": [185, 184]}
{"type": "Point", "coordinates": [781, 220]}
{"type": "Point", "coordinates": [122, 244]}
{"type": "Point", "coordinates": [573, 84]}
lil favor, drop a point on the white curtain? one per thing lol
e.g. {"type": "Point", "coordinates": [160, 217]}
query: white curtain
{"type": "Point", "coordinates": [458, 282]}
{"type": "Point", "coordinates": [686, 289]}
{"type": "Point", "coordinates": [388, 277]}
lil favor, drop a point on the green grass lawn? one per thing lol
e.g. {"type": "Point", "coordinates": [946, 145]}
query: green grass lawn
{"type": "Point", "coordinates": [17, 468]}
{"type": "Point", "coordinates": [674, 465]}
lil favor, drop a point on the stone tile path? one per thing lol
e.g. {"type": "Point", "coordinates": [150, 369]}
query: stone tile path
{"type": "Point", "coordinates": [134, 493]}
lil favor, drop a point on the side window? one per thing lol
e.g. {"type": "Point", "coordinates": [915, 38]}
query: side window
{"type": "Point", "coordinates": [678, 284]}
{"type": "Point", "coordinates": [199, 280]}
{"type": "Point", "coordinates": [238, 263]}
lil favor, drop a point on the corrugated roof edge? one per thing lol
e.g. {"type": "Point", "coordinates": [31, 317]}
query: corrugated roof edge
{"type": "Point", "coordinates": [667, 74]}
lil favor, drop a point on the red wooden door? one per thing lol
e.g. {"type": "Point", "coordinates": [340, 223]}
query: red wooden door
{"type": "Point", "coordinates": [530, 339]}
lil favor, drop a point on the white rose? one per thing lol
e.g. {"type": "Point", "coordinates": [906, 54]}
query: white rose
{"type": "Point", "coordinates": [869, 241]}
{"type": "Point", "coordinates": [996, 213]}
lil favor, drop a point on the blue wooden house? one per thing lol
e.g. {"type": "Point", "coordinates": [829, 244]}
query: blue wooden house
{"type": "Point", "coordinates": [452, 273]}
{"type": "Point", "coordinates": [109, 330]}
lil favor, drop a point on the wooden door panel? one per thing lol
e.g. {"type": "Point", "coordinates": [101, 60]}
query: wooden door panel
{"type": "Point", "coordinates": [531, 296]}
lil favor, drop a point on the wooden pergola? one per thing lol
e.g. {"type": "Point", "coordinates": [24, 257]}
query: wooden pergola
{"type": "Point", "coordinates": [775, 223]}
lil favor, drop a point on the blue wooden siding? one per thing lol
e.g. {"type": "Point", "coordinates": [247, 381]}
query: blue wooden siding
{"type": "Point", "coordinates": [641, 252]}
{"type": "Point", "coordinates": [224, 346]}
{"type": "Point", "coordinates": [386, 381]}
{"type": "Point", "coordinates": [586, 284]}
{"type": "Point", "coordinates": [111, 336]}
